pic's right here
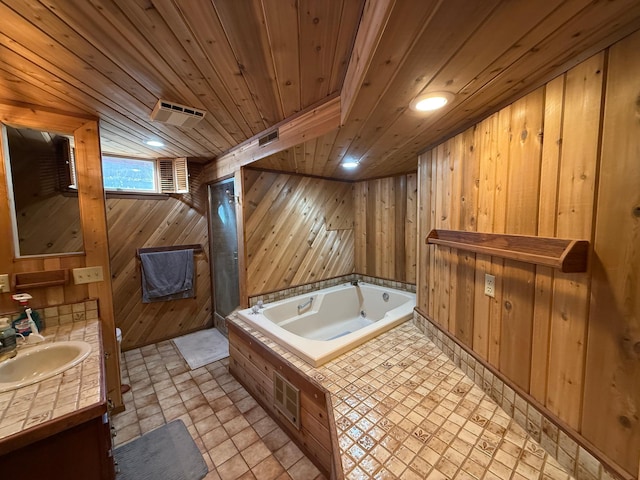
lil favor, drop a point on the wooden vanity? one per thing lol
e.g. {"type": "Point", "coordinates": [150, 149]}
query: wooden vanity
{"type": "Point", "coordinates": [59, 428]}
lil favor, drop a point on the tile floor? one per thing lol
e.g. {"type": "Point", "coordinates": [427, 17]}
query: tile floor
{"type": "Point", "coordinates": [237, 438]}
{"type": "Point", "coordinates": [403, 410]}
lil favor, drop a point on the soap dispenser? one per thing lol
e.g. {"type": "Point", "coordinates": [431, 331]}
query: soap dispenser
{"type": "Point", "coordinates": [7, 340]}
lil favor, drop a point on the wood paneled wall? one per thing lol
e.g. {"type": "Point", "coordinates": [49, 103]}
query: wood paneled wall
{"type": "Point", "coordinates": [138, 222]}
{"type": "Point", "coordinates": [297, 230]}
{"type": "Point", "coordinates": [385, 228]}
{"type": "Point", "coordinates": [551, 164]}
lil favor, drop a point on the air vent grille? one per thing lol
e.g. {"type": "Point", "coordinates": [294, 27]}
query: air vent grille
{"type": "Point", "coordinates": [268, 138]}
{"type": "Point", "coordinates": [176, 114]}
{"type": "Point", "coordinates": [286, 399]}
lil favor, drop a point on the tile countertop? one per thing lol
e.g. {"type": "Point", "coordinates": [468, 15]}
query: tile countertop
{"type": "Point", "coordinates": [36, 411]}
{"type": "Point", "coordinates": [403, 409]}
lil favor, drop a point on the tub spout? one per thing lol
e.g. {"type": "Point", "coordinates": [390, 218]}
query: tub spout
{"type": "Point", "coordinates": [305, 304]}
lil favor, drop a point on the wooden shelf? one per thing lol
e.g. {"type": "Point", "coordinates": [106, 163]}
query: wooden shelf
{"type": "Point", "coordinates": [566, 255]}
{"type": "Point", "coordinates": [47, 278]}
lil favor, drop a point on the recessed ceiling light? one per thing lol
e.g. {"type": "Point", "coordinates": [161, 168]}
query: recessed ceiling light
{"type": "Point", "coordinates": [154, 143]}
{"type": "Point", "coordinates": [431, 101]}
{"type": "Point", "coordinates": [350, 164]}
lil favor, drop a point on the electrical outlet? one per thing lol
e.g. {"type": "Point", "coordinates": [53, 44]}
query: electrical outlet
{"type": "Point", "coordinates": [87, 275]}
{"type": "Point", "coordinates": [5, 287]}
{"type": "Point", "coordinates": [490, 285]}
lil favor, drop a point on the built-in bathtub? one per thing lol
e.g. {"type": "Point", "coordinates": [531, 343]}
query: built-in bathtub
{"type": "Point", "coordinates": [323, 324]}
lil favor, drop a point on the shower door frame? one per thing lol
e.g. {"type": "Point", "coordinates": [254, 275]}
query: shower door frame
{"type": "Point", "coordinates": [238, 184]}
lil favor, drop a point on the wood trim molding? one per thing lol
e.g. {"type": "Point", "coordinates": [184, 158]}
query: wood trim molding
{"type": "Point", "coordinates": [372, 24]}
{"type": "Point", "coordinates": [41, 119]}
{"type": "Point", "coordinates": [94, 228]}
{"type": "Point", "coordinates": [308, 125]}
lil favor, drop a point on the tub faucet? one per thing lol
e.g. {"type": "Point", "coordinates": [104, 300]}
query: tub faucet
{"type": "Point", "coordinates": [305, 304]}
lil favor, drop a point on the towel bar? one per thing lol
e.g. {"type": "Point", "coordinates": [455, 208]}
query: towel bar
{"type": "Point", "coordinates": [196, 247]}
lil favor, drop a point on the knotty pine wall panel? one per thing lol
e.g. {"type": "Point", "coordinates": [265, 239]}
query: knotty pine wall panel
{"type": "Point", "coordinates": [385, 228]}
{"type": "Point", "coordinates": [135, 223]}
{"type": "Point", "coordinates": [297, 230]}
{"type": "Point", "coordinates": [612, 379]}
{"type": "Point", "coordinates": [550, 164]}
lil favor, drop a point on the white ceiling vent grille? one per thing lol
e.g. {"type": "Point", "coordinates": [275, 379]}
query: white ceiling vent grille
{"type": "Point", "coordinates": [176, 114]}
{"type": "Point", "coordinates": [174, 175]}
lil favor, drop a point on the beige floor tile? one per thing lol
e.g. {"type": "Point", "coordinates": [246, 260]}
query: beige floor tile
{"type": "Point", "coordinates": [151, 423]}
{"type": "Point", "coordinates": [233, 468]}
{"type": "Point", "coordinates": [268, 469]}
{"type": "Point", "coordinates": [303, 469]}
{"type": "Point", "coordinates": [149, 411]}
{"type": "Point", "coordinates": [275, 439]}
{"type": "Point", "coordinates": [288, 455]}
{"type": "Point", "coordinates": [235, 425]}
{"type": "Point", "coordinates": [255, 453]}
{"type": "Point", "coordinates": [207, 424]}
{"type": "Point", "coordinates": [214, 437]}
{"type": "Point", "coordinates": [245, 438]}
{"type": "Point", "coordinates": [223, 452]}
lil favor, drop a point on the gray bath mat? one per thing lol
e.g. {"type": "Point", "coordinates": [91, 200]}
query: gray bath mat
{"type": "Point", "coordinates": [166, 453]}
{"type": "Point", "coordinates": [202, 347]}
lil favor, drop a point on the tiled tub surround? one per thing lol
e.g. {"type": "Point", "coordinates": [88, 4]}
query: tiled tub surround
{"type": "Point", "coordinates": [332, 282]}
{"type": "Point", "coordinates": [78, 388]}
{"type": "Point", "coordinates": [402, 409]}
{"type": "Point", "coordinates": [572, 456]}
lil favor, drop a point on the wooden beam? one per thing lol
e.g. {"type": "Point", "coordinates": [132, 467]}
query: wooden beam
{"type": "Point", "coordinates": [372, 25]}
{"type": "Point", "coordinates": [40, 118]}
{"type": "Point", "coordinates": [307, 125]}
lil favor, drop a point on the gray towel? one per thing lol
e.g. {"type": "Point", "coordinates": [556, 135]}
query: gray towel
{"type": "Point", "coordinates": [167, 275]}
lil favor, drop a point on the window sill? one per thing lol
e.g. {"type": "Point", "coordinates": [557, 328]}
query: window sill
{"type": "Point", "coordinates": [136, 195]}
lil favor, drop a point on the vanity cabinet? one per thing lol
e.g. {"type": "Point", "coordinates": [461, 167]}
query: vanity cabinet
{"type": "Point", "coordinates": [65, 432]}
{"type": "Point", "coordinates": [80, 452]}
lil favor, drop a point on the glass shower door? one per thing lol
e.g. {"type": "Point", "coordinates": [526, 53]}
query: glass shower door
{"type": "Point", "coordinates": [224, 248]}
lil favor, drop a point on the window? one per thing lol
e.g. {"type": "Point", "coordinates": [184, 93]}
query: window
{"type": "Point", "coordinates": [164, 175]}
{"type": "Point", "coordinates": [129, 174]}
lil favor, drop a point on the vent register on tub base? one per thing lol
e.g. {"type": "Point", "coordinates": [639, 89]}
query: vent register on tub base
{"type": "Point", "coordinates": [324, 324]}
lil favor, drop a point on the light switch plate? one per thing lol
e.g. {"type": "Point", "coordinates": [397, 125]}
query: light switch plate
{"type": "Point", "coordinates": [5, 287]}
{"type": "Point", "coordinates": [490, 285]}
{"type": "Point", "coordinates": [87, 275]}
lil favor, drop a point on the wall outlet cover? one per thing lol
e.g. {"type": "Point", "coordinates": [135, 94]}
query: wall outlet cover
{"type": "Point", "coordinates": [490, 285]}
{"type": "Point", "coordinates": [87, 275]}
{"type": "Point", "coordinates": [5, 286]}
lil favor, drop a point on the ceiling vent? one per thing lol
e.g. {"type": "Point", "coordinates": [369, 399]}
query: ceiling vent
{"type": "Point", "coordinates": [268, 138]}
{"type": "Point", "coordinates": [176, 114]}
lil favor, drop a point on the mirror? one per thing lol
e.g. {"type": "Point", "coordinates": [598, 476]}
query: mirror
{"type": "Point", "coordinates": [42, 192]}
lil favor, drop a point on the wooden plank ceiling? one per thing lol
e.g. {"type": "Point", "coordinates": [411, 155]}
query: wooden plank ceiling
{"type": "Point", "coordinates": [252, 64]}
{"type": "Point", "coordinates": [248, 63]}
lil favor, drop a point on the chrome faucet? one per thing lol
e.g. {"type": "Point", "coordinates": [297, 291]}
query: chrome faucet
{"type": "Point", "coordinates": [305, 304]}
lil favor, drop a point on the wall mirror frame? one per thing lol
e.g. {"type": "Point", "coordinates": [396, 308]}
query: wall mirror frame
{"type": "Point", "coordinates": [41, 192]}
{"type": "Point", "coordinates": [88, 159]}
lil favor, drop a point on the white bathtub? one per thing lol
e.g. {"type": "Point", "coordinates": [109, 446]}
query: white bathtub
{"type": "Point", "coordinates": [337, 320]}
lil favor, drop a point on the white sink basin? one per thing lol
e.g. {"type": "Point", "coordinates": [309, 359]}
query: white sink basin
{"type": "Point", "coordinates": [35, 364]}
